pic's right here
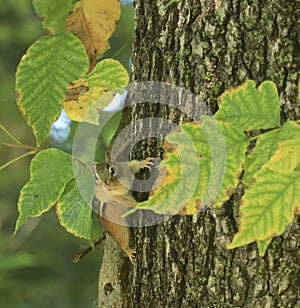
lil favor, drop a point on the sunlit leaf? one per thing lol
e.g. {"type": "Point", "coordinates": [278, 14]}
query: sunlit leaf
{"type": "Point", "coordinates": [265, 148]}
{"type": "Point", "coordinates": [86, 97]}
{"type": "Point", "coordinates": [42, 76]}
{"type": "Point", "coordinates": [94, 22]}
{"type": "Point", "coordinates": [53, 13]}
{"type": "Point", "coordinates": [236, 147]}
{"type": "Point", "coordinates": [249, 108]}
{"type": "Point", "coordinates": [74, 213]}
{"type": "Point", "coordinates": [109, 74]}
{"type": "Point", "coordinates": [50, 171]}
{"type": "Point", "coordinates": [287, 157]}
{"type": "Point", "coordinates": [202, 168]}
{"type": "Point", "coordinates": [263, 246]}
{"type": "Point", "coordinates": [268, 206]}
{"type": "Point", "coordinates": [80, 98]}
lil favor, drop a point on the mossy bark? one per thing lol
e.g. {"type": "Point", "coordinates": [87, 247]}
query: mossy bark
{"type": "Point", "coordinates": [209, 46]}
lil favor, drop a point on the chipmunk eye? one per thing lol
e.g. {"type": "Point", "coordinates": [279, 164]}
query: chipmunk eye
{"type": "Point", "coordinates": [111, 170]}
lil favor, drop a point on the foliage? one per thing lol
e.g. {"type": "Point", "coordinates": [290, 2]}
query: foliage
{"type": "Point", "coordinates": [37, 270]}
{"type": "Point", "coordinates": [61, 68]}
{"type": "Point", "coordinates": [42, 77]}
{"type": "Point", "coordinates": [271, 170]}
{"type": "Point", "coordinates": [45, 71]}
{"type": "Point", "coordinates": [94, 22]}
{"type": "Point", "coordinates": [100, 85]}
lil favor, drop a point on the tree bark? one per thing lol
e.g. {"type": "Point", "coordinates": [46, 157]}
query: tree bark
{"type": "Point", "coordinates": [207, 47]}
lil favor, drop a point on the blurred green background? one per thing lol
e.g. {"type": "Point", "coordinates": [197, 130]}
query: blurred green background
{"type": "Point", "coordinates": [36, 268]}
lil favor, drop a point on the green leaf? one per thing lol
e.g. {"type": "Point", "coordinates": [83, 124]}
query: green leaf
{"type": "Point", "coordinates": [96, 91]}
{"type": "Point", "coordinates": [74, 214]}
{"type": "Point", "coordinates": [202, 168]}
{"type": "Point", "coordinates": [50, 171]}
{"type": "Point", "coordinates": [266, 146]}
{"type": "Point", "coordinates": [236, 146]}
{"type": "Point", "coordinates": [109, 74]}
{"type": "Point", "coordinates": [287, 157]}
{"type": "Point", "coordinates": [272, 178]}
{"type": "Point", "coordinates": [181, 170]}
{"type": "Point", "coordinates": [42, 76]}
{"type": "Point", "coordinates": [221, 155]}
{"type": "Point", "coordinates": [249, 108]}
{"type": "Point", "coordinates": [268, 206]}
{"type": "Point", "coordinates": [53, 13]}
{"type": "Point", "coordinates": [263, 245]}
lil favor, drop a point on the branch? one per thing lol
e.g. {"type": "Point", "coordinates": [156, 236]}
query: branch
{"type": "Point", "coordinates": [83, 252]}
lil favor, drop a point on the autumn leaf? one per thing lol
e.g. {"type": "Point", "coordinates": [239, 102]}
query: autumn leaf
{"type": "Point", "coordinates": [80, 98]}
{"type": "Point", "coordinates": [94, 22]}
{"type": "Point", "coordinates": [86, 97]}
{"type": "Point", "coordinates": [266, 146]}
{"type": "Point", "coordinates": [272, 199]}
{"type": "Point", "coordinates": [249, 108]}
{"type": "Point", "coordinates": [202, 165]}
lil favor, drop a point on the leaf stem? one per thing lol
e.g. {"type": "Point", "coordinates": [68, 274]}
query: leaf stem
{"type": "Point", "coordinates": [10, 135]}
{"type": "Point", "coordinates": [21, 146]}
{"type": "Point", "coordinates": [17, 158]}
{"type": "Point", "coordinates": [82, 253]}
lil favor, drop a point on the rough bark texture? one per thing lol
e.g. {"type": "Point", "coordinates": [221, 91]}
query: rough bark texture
{"type": "Point", "coordinates": [209, 46]}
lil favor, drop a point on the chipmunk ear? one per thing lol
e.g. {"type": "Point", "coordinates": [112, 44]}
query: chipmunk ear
{"type": "Point", "coordinates": [107, 158]}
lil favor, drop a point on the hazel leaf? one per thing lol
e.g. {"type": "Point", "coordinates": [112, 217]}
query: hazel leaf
{"type": "Point", "coordinates": [250, 108]}
{"type": "Point", "coordinates": [50, 171]}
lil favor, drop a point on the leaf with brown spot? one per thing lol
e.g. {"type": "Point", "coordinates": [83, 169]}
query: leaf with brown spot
{"type": "Point", "coordinates": [94, 22]}
{"type": "Point", "coordinates": [80, 98]}
{"type": "Point", "coordinates": [87, 96]}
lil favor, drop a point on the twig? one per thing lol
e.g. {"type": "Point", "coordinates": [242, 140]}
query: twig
{"type": "Point", "coordinates": [21, 146]}
{"type": "Point", "coordinates": [16, 159]}
{"type": "Point", "coordinates": [10, 135]}
{"type": "Point", "coordinates": [83, 252]}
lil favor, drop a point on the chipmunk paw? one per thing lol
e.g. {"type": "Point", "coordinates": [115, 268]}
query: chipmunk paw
{"type": "Point", "coordinates": [131, 253]}
{"type": "Point", "coordinates": [147, 163]}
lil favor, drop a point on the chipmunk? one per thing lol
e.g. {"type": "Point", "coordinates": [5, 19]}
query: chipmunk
{"type": "Point", "coordinates": [113, 183]}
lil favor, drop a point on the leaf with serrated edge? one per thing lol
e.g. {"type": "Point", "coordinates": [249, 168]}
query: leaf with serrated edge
{"type": "Point", "coordinates": [109, 74]}
{"type": "Point", "coordinates": [220, 170]}
{"type": "Point", "coordinates": [94, 22]}
{"type": "Point", "coordinates": [86, 97]}
{"type": "Point", "coordinates": [42, 76]}
{"type": "Point", "coordinates": [214, 148]}
{"type": "Point", "coordinates": [53, 13]}
{"type": "Point", "coordinates": [249, 108]}
{"type": "Point", "coordinates": [236, 146]}
{"type": "Point", "coordinates": [287, 157]}
{"type": "Point", "coordinates": [266, 146]}
{"type": "Point", "coordinates": [74, 213]}
{"type": "Point", "coordinates": [181, 164]}
{"type": "Point", "coordinates": [268, 206]}
{"type": "Point", "coordinates": [50, 171]}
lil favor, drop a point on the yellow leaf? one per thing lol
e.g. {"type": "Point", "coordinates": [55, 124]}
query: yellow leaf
{"type": "Point", "coordinates": [286, 158]}
{"type": "Point", "coordinates": [268, 206]}
{"type": "Point", "coordinates": [80, 100]}
{"type": "Point", "coordinates": [94, 22]}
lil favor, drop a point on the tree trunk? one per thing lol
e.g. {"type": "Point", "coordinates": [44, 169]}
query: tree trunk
{"type": "Point", "coordinates": [207, 47]}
